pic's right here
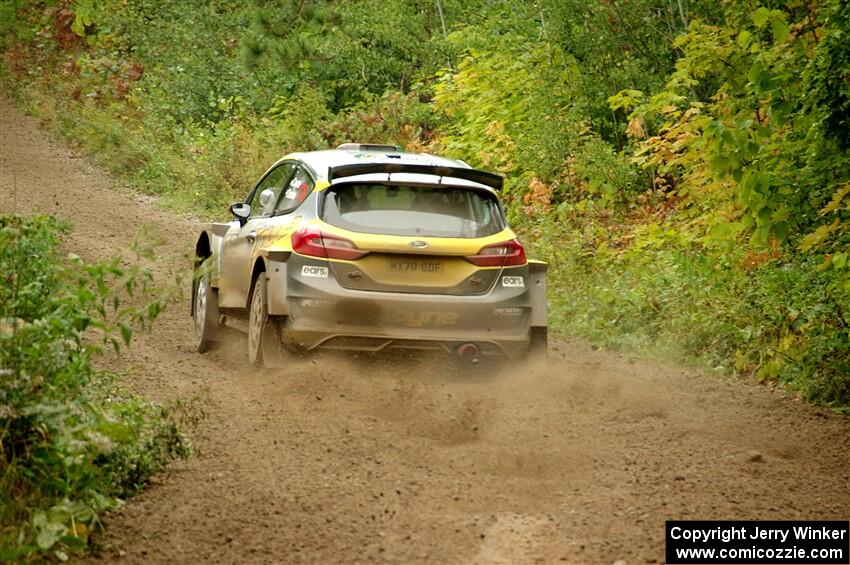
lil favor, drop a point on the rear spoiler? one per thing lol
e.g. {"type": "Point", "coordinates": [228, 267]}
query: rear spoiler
{"type": "Point", "coordinates": [492, 180]}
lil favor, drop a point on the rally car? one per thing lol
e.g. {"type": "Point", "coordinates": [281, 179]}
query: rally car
{"type": "Point", "coordinates": [368, 248]}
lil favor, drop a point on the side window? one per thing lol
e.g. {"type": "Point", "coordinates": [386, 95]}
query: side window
{"type": "Point", "coordinates": [263, 204]}
{"type": "Point", "coordinates": [296, 191]}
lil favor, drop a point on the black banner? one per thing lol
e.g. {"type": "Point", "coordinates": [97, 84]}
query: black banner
{"type": "Point", "coordinates": [694, 542]}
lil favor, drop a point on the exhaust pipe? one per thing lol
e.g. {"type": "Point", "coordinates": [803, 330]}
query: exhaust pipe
{"type": "Point", "coordinates": [468, 352]}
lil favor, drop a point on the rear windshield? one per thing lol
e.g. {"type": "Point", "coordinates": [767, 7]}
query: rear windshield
{"type": "Point", "coordinates": [413, 211]}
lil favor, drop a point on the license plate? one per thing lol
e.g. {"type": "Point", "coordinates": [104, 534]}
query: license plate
{"type": "Point", "coordinates": [417, 319]}
{"type": "Point", "coordinates": [411, 266]}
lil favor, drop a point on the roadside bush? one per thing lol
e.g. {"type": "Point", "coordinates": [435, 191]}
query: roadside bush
{"type": "Point", "coordinates": [71, 441]}
{"type": "Point", "coordinates": [775, 317]}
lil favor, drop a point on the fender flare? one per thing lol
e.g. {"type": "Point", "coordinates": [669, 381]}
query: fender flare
{"type": "Point", "coordinates": [207, 245]}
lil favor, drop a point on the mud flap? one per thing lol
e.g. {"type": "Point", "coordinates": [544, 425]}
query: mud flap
{"type": "Point", "coordinates": [276, 274]}
{"type": "Point", "coordinates": [537, 291]}
{"type": "Point", "coordinates": [538, 348]}
{"type": "Point", "coordinates": [274, 353]}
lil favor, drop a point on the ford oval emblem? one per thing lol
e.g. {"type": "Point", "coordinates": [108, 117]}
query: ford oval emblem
{"type": "Point", "coordinates": [418, 244]}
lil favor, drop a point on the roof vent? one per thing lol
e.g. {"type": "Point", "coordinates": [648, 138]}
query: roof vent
{"type": "Point", "coordinates": [367, 147]}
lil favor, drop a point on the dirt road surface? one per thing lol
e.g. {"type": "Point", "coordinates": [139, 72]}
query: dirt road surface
{"type": "Point", "coordinates": [406, 460]}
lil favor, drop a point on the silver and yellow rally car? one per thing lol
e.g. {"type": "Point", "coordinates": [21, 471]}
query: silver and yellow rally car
{"type": "Point", "coordinates": [368, 248]}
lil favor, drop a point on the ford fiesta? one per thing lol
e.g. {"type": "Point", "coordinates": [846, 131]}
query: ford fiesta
{"type": "Point", "coordinates": [368, 248]}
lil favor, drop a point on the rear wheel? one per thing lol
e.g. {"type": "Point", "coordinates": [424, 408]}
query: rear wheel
{"type": "Point", "coordinates": [264, 342]}
{"type": "Point", "coordinates": [205, 311]}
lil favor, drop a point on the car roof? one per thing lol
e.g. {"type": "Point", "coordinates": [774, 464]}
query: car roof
{"type": "Point", "coordinates": [321, 161]}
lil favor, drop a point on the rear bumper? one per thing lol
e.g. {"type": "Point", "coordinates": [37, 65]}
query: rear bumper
{"type": "Point", "coordinates": [319, 313]}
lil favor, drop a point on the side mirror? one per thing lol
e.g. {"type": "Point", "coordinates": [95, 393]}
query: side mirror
{"type": "Point", "coordinates": [241, 210]}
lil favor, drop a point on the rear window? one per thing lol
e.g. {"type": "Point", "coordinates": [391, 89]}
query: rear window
{"type": "Point", "coordinates": [413, 211]}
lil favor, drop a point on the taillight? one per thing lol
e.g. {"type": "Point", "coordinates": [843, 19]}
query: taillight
{"type": "Point", "coordinates": [341, 248]}
{"type": "Point", "coordinates": [308, 242]}
{"type": "Point", "coordinates": [315, 243]}
{"type": "Point", "coordinates": [507, 254]}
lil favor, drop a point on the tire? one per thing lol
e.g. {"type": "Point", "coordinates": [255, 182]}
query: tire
{"type": "Point", "coordinates": [205, 312]}
{"type": "Point", "coordinates": [264, 343]}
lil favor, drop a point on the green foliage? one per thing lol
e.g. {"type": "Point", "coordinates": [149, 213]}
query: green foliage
{"type": "Point", "coordinates": [71, 441]}
{"type": "Point", "coordinates": [286, 36]}
{"type": "Point", "coordinates": [394, 118]}
{"type": "Point", "coordinates": [753, 135]}
{"type": "Point", "coordinates": [511, 111]}
{"type": "Point", "coordinates": [781, 319]}
{"type": "Point", "coordinates": [829, 73]}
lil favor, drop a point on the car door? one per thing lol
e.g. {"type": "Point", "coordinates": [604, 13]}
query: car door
{"type": "Point", "coordinates": [238, 246]}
